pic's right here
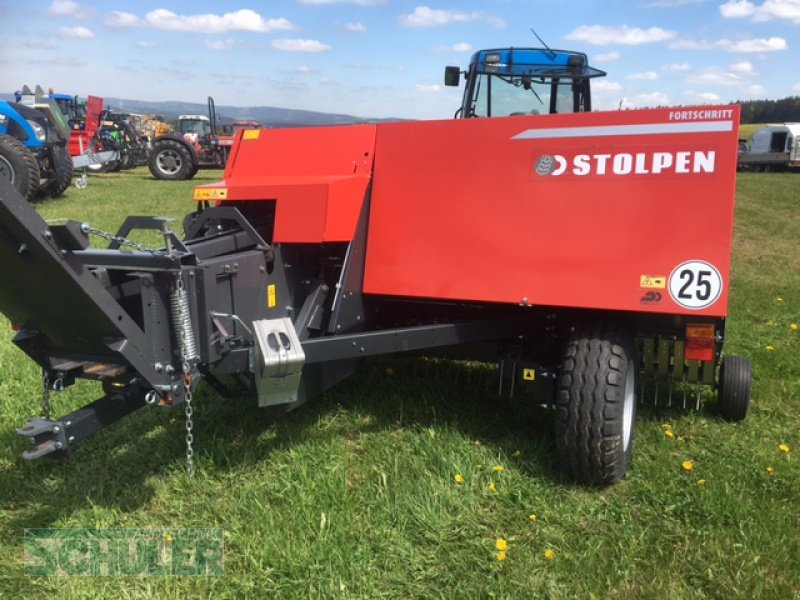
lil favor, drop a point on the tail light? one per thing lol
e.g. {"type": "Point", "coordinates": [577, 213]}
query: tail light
{"type": "Point", "coordinates": [699, 341]}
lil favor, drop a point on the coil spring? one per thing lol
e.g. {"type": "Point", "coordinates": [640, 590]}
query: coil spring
{"type": "Point", "coordinates": [179, 307]}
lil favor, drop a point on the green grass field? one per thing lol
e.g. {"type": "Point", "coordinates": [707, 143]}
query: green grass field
{"type": "Point", "coordinates": [354, 495]}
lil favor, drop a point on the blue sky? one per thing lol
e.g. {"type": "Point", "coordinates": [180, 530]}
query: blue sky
{"type": "Point", "coordinates": [386, 58]}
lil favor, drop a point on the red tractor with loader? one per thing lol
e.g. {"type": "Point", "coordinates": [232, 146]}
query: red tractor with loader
{"type": "Point", "coordinates": [196, 145]}
{"type": "Point", "coordinates": [585, 252]}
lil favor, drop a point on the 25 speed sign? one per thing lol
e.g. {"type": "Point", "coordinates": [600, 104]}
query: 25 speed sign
{"type": "Point", "coordinates": [695, 284]}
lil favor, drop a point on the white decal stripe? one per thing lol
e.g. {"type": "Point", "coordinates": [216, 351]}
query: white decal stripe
{"type": "Point", "coordinates": [615, 130]}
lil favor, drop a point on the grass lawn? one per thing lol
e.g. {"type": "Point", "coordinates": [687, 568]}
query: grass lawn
{"type": "Point", "coordinates": [354, 495]}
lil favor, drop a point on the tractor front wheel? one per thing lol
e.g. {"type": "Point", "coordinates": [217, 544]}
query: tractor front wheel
{"type": "Point", "coordinates": [18, 166]}
{"type": "Point", "coordinates": [64, 170]}
{"type": "Point", "coordinates": [172, 161]}
{"type": "Point", "coordinates": [596, 405]}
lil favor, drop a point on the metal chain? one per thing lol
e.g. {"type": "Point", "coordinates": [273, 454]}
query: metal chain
{"type": "Point", "coordinates": [122, 241]}
{"type": "Point", "coordinates": [46, 408]}
{"type": "Point", "coordinates": [187, 384]}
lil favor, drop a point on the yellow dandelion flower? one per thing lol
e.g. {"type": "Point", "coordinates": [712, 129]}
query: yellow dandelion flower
{"type": "Point", "coordinates": [666, 426]}
{"type": "Point", "coordinates": [500, 555]}
{"type": "Point", "coordinates": [687, 465]}
{"type": "Point", "coordinates": [701, 482]}
{"type": "Point", "coordinates": [669, 433]}
{"type": "Point", "coordinates": [770, 323]}
{"type": "Point", "coordinates": [784, 448]}
{"type": "Point", "coordinates": [517, 454]}
{"type": "Point", "coordinates": [477, 443]}
{"type": "Point", "coordinates": [770, 470]}
{"type": "Point", "coordinates": [501, 544]}
{"type": "Point", "coordinates": [770, 348]}
{"type": "Point", "coordinates": [778, 299]}
{"type": "Point", "coordinates": [498, 468]}
{"type": "Point", "coordinates": [533, 518]}
{"type": "Point", "coordinates": [167, 536]}
{"type": "Point", "coordinates": [549, 554]}
{"type": "Point", "coordinates": [459, 478]}
{"type": "Point", "coordinates": [492, 487]}
{"type": "Point", "coordinates": [794, 326]}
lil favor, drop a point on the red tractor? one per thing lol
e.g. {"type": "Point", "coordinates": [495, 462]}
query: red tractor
{"type": "Point", "coordinates": [196, 145]}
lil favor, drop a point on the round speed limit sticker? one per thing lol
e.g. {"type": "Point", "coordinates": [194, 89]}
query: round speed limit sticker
{"type": "Point", "coordinates": [695, 284]}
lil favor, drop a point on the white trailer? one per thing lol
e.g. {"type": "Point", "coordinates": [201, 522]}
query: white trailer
{"type": "Point", "coordinates": [774, 148]}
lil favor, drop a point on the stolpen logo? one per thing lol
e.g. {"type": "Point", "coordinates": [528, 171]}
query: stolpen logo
{"type": "Point", "coordinates": [123, 552]}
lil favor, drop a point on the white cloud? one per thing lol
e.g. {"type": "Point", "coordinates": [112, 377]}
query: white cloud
{"type": "Point", "coordinates": [220, 44]}
{"type": "Point", "coordinates": [715, 76]}
{"type": "Point", "coordinates": [702, 97]}
{"type": "Point", "coordinates": [755, 90]}
{"type": "Point", "coordinates": [161, 18]}
{"type": "Point", "coordinates": [300, 46]}
{"type": "Point", "coordinates": [424, 16]}
{"type": "Point", "coordinates": [608, 57]}
{"type": "Point", "coordinates": [146, 44]}
{"type": "Point", "coordinates": [458, 47]}
{"type": "Point", "coordinates": [604, 85]}
{"type": "Point", "coordinates": [651, 99]}
{"type": "Point", "coordinates": [769, 10]}
{"type": "Point", "coordinates": [646, 76]}
{"type": "Point", "coordinates": [355, 27]}
{"type": "Point", "coordinates": [773, 44]}
{"type": "Point", "coordinates": [62, 8]}
{"type": "Point", "coordinates": [745, 68]}
{"type": "Point", "coordinates": [122, 19]}
{"type": "Point", "coordinates": [76, 32]}
{"type": "Point", "coordinates": [601, 35]}
{"type": "Point", "coordinates": [428, 88]}
{"type": "Point", "coordinates": [677, 67]}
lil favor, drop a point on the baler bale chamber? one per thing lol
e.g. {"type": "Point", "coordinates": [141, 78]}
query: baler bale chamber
{"type": "Point", "coordinates": [584, 252]}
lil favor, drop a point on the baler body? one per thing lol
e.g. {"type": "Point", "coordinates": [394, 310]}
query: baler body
{"type": "Point", "coordinates": [622, 211]}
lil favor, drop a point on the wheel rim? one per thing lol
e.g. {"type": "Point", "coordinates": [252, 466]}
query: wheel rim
{"type": "Point", "coordinates": [169, 162]}
{"type": "Point", "coordinates": [6, 171]}
{"type": "Point", "coordinates": [628, 404]}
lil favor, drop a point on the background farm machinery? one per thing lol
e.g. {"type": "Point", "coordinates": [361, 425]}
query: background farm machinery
{"type": "Point", "coordinates": [584, 252]}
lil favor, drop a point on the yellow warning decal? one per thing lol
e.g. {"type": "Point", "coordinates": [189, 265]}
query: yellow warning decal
{"type": "Point", "coordinates": [653, 282]}
{"type": "Point", "coordinates": [251, 134]}
{"type": "Point", "coordinates": [271, 300]}
{"type": "Point", "coordinates": [210, 193]}
{"type": "Point", "coordinates": [529, 374]}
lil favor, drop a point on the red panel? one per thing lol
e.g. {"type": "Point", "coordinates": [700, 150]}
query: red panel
{"type": "Point", "coordinates": [597, 210]}
{"type": "Point", "coordinates": [317, 176]}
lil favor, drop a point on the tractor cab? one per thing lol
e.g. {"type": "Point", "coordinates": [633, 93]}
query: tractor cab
{"type": "Point", "coordinates": [524, 81]}
{"type": "Point", "coordinates": [194, 124]}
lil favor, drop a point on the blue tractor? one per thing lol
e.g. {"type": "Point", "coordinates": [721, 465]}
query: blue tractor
{"type": "Point", "coordinates": [34, 146]}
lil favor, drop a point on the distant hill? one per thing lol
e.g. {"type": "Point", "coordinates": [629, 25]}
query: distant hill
{"type": "Point", "coordinates": [269, 116]}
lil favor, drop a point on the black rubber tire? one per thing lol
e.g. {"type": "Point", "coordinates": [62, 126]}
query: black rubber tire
{"type": "Point", "coordinates": [735, 380]}
{"type": "Point", "coordinates": [596, 405]}
{"type": "Point", "coordinates": [64, 170]}
{"type": "Point", "coordinates": [171, 161]}
{"type": "Point", "coordinates": [18, 165]}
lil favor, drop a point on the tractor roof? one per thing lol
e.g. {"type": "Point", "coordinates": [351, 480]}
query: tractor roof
{"type": "Point", "coordinates": [534, 62]}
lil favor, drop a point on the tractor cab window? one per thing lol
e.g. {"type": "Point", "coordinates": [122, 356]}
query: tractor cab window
{"type": "Point", "coordinates": [500, 95]}
{"type": "Point", "coordinates": [198, 126]}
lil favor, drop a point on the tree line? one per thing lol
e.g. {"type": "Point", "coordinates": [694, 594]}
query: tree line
{"type": "Point", "coordinates": [770, 111]}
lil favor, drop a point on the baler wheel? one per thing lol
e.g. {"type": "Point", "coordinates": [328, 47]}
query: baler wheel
{"type": "Point", "coordinates": [18, 166]}
{"type": "Point", "coordinates": [172, 161]}
{"type": "Point", "coordinates": [596, 405]}
{"type": "Point", "coordinates": [734, 388]}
